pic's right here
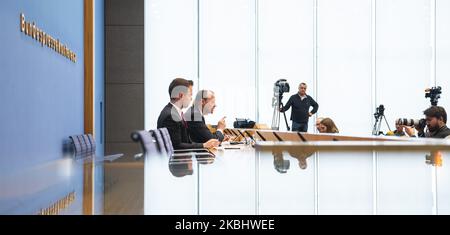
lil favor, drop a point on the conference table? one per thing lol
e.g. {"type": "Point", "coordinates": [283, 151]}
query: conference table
{"type": "Point", "coordinates": [260, 172]}
{"type": "Point", "coordinates": [363, 176]}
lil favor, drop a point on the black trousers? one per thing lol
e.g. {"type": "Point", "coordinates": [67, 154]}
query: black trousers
{"type": "Point", "coordinates": [299, 127]}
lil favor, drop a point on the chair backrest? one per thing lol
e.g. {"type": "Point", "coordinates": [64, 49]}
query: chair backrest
{"type": "Point", "coordinates": [146, 140]}
{"type": "Point", "coordinates": [167, 141]}
{"type": "Point", "coordinates": [159, 141]}
{"type": "Point", "coordinates": [83, 144]}
{"type": "Point", "coordinates": [87, 142]}
{"type": "Point", "coordinates": [92, 140]}
{"type": "Point", "coordinates": [77, 148]}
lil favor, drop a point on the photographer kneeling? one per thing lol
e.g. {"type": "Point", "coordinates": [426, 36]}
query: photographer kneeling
{"type": "Point", "coordinates": [436, 120]}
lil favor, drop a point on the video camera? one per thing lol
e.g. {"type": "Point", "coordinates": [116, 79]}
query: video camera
{"type": "Point", "coordinates": [243, 123]}
{"type": "Point", "coordinates": [434, 94]}
{"type": "Point", "coordinates": [379, 112]}
{"type": "Point", "coordinates": [281, 86]}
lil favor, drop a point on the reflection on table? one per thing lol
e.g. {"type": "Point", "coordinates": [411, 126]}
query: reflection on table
{"type": "Point", "coordinates": [260, 177]}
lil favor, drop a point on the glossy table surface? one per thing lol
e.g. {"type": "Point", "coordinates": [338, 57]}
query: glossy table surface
{"type": "Point", "coordinates": [239, 179]}
{"type": "Point", "coordinates": [247, 181]}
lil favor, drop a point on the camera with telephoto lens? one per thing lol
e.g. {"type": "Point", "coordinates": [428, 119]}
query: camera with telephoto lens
{"type": "Point", "coordinates": [281, 86]}
{"type": "Point", "coordinates": [418, 123]}
{"type": "Point", "coordinates": [434, 94]}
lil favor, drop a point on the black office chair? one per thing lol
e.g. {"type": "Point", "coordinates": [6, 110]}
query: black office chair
{"type": "Point", "coordinates": [164, 133]}
{"type": "Point", "coordinates": [159, 141]}
{"type": "Point", "coordinates": [83, 147]}
{"type": "Point", "coordinates": [146, 140]}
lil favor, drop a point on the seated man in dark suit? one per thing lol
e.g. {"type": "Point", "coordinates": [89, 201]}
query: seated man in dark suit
{"type": "Point", "coordinates": [204, 104]}
{"type": "Point", "coordinates": [172, 117]}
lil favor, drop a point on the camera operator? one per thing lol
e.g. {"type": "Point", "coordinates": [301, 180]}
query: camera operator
{"type": "Point", "coordinates": [436, 120]}
{"type": "Point", "coordinates": [301, 103]}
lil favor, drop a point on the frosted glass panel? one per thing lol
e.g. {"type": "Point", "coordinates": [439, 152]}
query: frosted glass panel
{"type": "Point", "coordinates": [443, 186]}
{"type": "Point", "coordinates": [232, 173]}
{"type": "Point", "coordinates": [404, 63]}
{"type": "Point", "coordinates": [403, 55]}
{"type": "Point", "coordinates": [345, 183]}
{"type": "Point", "coordinates": [344, 64]}
{"type": "Point", "coordinates": [344, 88]}
{"type": "Point", "coordinates": [227, 57]}
{"type": "Point", "coordinates": [404, 184]}
{"type": "Point", "coordinates": [443, 50]}
{"type": "Point", "coordinates": [443, 79]}
{"type": "Point", "coordinates": [177, 193]}
{"type": "Point", "coordinates": [284, 187]}
{"type": "Point", "coordinates": [285, 51]}
{"type": "Point", "coordinates": [170, 44]}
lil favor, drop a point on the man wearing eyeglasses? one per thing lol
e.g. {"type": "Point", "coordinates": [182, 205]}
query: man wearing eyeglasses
{"type": "Point", "coordinates": [204, 104]}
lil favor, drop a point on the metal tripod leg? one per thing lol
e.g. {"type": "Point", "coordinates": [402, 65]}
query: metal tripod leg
{"type": "Point", "coordinates": [379, 125]}
{"type": "Point", "coordinates": [276, 119]}
{"type": "Point", "coordinates": [385, 119]}
{"type": "Point", "coordinates": [285, 119]}
{"type": "Point", "coordinates": [374, 129]}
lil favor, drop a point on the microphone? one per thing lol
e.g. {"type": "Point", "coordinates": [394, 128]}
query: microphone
{"type": "Point", "coordinates": [234, 140]}
{"type": "Point", "coordinates": [390, 133]}
{"type": "Point", "coordinates": [240, 133]}
{"type": "Point", "coordinates": [251, 137]}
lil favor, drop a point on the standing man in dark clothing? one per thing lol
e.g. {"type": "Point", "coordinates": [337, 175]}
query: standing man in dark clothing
{"type": "Point", "coordinates": [301, 104]}
{"type": "Point", "coordinates": [172, 117]}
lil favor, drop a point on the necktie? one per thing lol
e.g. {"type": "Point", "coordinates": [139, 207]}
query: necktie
{"type": "Point", "coordinates": [183, 120]}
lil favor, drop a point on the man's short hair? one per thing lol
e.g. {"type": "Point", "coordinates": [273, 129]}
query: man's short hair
{"type": "Point", "coordinates": [304, 84]}
{"type": "Point", "coordinates": [437, 112]}
{"type": "Point", "coordinates": [178, 82]}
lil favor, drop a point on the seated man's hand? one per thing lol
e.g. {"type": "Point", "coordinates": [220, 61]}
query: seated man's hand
{"type": "Point", "coordinates": [221, 124]}
{"type": "Point", "coordinates": [212, 143]}
{"type": "Point", "coordinates": [410, 131]}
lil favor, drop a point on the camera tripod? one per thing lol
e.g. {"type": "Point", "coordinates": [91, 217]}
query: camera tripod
{"type": "Point", "coordinates": [379, 116]}
{"type": "Point", "coordinates": [278, 104]}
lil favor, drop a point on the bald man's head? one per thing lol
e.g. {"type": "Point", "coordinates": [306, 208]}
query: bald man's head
{"type": "Point", "coordinates": [318, 121]}
{"type": "Point", "coordinates": [205, 101]}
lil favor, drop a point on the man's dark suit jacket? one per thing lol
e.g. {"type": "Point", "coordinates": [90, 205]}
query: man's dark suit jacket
{"type": "Point", "coordinates": [179, 134]}
{"type": "Point", "coordinates": [198, 130]}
